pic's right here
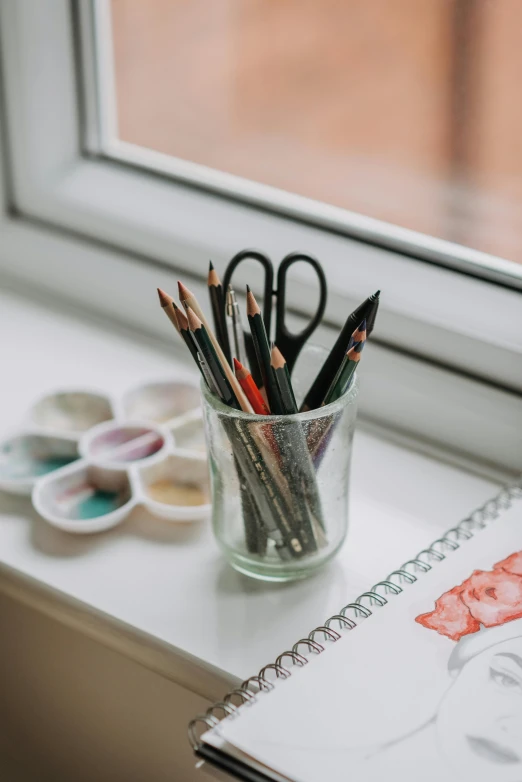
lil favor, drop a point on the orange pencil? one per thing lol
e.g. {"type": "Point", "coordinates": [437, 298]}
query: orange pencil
{"type": "Point", "coordinates": [247, 383]}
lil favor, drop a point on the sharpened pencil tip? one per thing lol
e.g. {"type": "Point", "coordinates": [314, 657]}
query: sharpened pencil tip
{"type": "Point", "coordinates": [182, 319]}
{"type": "Point", "coordinates": [362, 327]}
{"type": "Point", "coordinates": [376, 294]}
{"type": "Point", "coordinates": [237, 364]}
{"type": "Point", "coordinates": [183, 292]}
{"type": "Point", "coordinates": [164, 298]}
{"type": "Point", "coordinates": [210, 266]}
{"type": "Point", "coordinates": [193, 320]}
{"type": "Point", "coordinates": [252, 305]}
{"type": "Point", "coordinates": [213, 277]}
{"type": "Point", "coordinates": [276, 357]}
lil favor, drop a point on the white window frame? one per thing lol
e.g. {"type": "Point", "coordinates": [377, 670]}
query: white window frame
{"type": "Point", "coordinates": [445, 363]}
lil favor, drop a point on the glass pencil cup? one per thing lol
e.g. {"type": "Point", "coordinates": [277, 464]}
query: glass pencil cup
{"type": "Point", "coordinates": [280, 485]}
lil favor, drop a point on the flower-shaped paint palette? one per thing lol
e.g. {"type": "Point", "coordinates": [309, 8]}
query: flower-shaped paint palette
{"type": "Point", "coordinates": [88, 459]}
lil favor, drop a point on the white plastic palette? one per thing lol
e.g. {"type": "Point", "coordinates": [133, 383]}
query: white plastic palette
{"type": "Point", "coordinates": [88, 459]}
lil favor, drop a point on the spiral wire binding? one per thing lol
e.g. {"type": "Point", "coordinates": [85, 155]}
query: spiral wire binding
{"type": "Point", "coordinates": [248, 691]}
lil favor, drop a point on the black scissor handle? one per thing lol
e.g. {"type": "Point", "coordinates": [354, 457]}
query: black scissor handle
{"type": "Point", "coordinates": [266, 263]}
{"type": "Point", "coordinates": [290, 344]}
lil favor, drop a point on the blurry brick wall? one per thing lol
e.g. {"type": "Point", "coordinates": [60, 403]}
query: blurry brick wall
{"type": "Point", "coordinates": [406, 110]}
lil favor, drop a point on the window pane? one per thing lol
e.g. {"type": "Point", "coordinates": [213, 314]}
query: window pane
{"type": "Point", "coordinates": [405, 111]}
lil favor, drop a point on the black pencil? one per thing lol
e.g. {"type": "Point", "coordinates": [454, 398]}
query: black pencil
{"type": "Point", "coordinates": [217, 303]}
{"type": "Point", "coordinates": [265, 490]}
{"type": "Point", "coordinates": [209, 354]}
{"type": "Point", "coordinates": [282, 377]}
{"type": "Point", "coordinates": [323, 381]}
{"type": "Point", "coordinates": [262, 350]}
{"type": "Point", "coordinates": [185, 332]}
{"type": "Point", "coordinates": [178, 319]}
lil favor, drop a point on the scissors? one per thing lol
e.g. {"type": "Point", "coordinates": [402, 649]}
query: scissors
{"type": "Point", "coordinates": [289, 344]}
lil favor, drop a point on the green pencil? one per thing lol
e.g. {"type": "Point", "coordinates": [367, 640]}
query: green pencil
{"type": "Point", "coordinates": [262, 350]}
{"type": "Point", "coordinates": [209, 354]}
{"type": "Point", "coordinates": [217, 302]}
{"type": "Point", "coordinates": [282, 378]}
{"type": "Point", "coordinates": [322, 383]}
{"type": "Point", "coordinates": [179, 320]}
{"type": "Point", "coordinates": [265, 489]}
{"type": "Point", "coordinates": [299, 470]}
{"type": "Point", "coordinates": [344, 375]}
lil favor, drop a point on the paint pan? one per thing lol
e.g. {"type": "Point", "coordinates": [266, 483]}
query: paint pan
{"type": "Point", "coordinates": [113, 443]}
{"type": "Point", "coordinates": [189, 432]}
{"type": "Point", "coordinates": [71, 411]}
{"type": "Point", "coordinates": [161, 402]}
{"type": "Point", "coordinates": [176, 488]}
{"type": "Point", "coordinates": [84, 498]}
{"type": "Point", "coordinates": [24, 458]}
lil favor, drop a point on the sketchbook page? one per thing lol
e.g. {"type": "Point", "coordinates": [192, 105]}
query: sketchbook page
{"type": "Point", "coordinates": [429, 687]}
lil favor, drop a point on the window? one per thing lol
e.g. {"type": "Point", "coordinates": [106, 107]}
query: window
{"type": "Point", "coordinates": [97, 196]}
{"type": "Point", "coordinates": [401, 111]}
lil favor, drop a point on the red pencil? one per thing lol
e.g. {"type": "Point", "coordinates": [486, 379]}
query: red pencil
{"type": "Point", "coordinates": [247, 383]}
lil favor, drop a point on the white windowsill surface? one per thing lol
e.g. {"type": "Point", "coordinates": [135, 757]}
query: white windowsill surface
{"type": "Point", "coordinates": [161, 592]}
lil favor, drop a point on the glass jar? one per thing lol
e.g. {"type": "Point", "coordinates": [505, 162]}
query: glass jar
{"type": "Point", "coordinates": [280, 484]}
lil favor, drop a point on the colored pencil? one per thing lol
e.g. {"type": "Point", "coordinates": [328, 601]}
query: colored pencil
{"type": "Point", "coordinates": [262, 350]}
{"type": "Point", "coordinates": [282, 377]}
{"type": "Point", "coordinates": [344, 376]}
{"type": "Point", "coordinates": [297, 463]}
{"type": "Point", "coordinates": [270, 500]}
{"type": "Point", "coordinates": [189, 300]}
{"type": "Point", "coordinates": [323, 381]}
{"type": "Point", "coordinates": [256, 535]}
{"type": "Point", "coordinates": [167, 303]}
{"type": "Point", "coordinates": [359, 335]}
{"type": "Point", "coordinates": [217, 303]}
{"type": "Point", "coordinates": [210, 356]}
{"type": "Point", "coordinates": [178, 318]}
{"type": "Point", "coordinates": [185, 332]}
{"type": "Point", "coordinates": [251, 390]}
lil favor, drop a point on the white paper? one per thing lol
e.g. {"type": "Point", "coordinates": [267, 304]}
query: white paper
{"type": "Point", "coordinates": [382, 702]}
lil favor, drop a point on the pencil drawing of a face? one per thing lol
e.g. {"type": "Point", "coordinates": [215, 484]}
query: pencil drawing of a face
{"type": "Point", "coordinates": [478, 724]}
{"type": "Point", "coordinates": [479, 721]}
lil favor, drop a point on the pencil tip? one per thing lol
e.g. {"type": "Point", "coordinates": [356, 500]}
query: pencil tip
{"type": "Point", "coordinates": [210, 266]}
{"type": "Point", "coordinates": [237, 364]}
{"type": "Point", "coordinates": [163, 297]}
{"type": "Point", "coordinates": [252, 305]}
{"type": "Point", "coordinates": [193, 320]}
{"type": "Point", "coordinates": [376, 294]}
{"type": "Point", "coordinates": [276, 357]}
{"type": "Point", "coordinates": [184, 292]}
{"type": "Point", "coordinates": [362, 327]}
{"type": "Point", "coordinates": [182, 318]}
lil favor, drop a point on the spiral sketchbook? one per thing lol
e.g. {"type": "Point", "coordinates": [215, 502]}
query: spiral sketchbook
{"type": "Point", "coordinates": [420, 678]}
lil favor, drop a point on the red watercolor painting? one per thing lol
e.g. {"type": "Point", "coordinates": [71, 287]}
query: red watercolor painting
{"type": "Point", "coordinates": [487, 598]}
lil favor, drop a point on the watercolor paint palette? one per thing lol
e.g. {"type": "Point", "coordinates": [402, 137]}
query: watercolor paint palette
{"type": "Point", "coordinates": [88, 460]}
